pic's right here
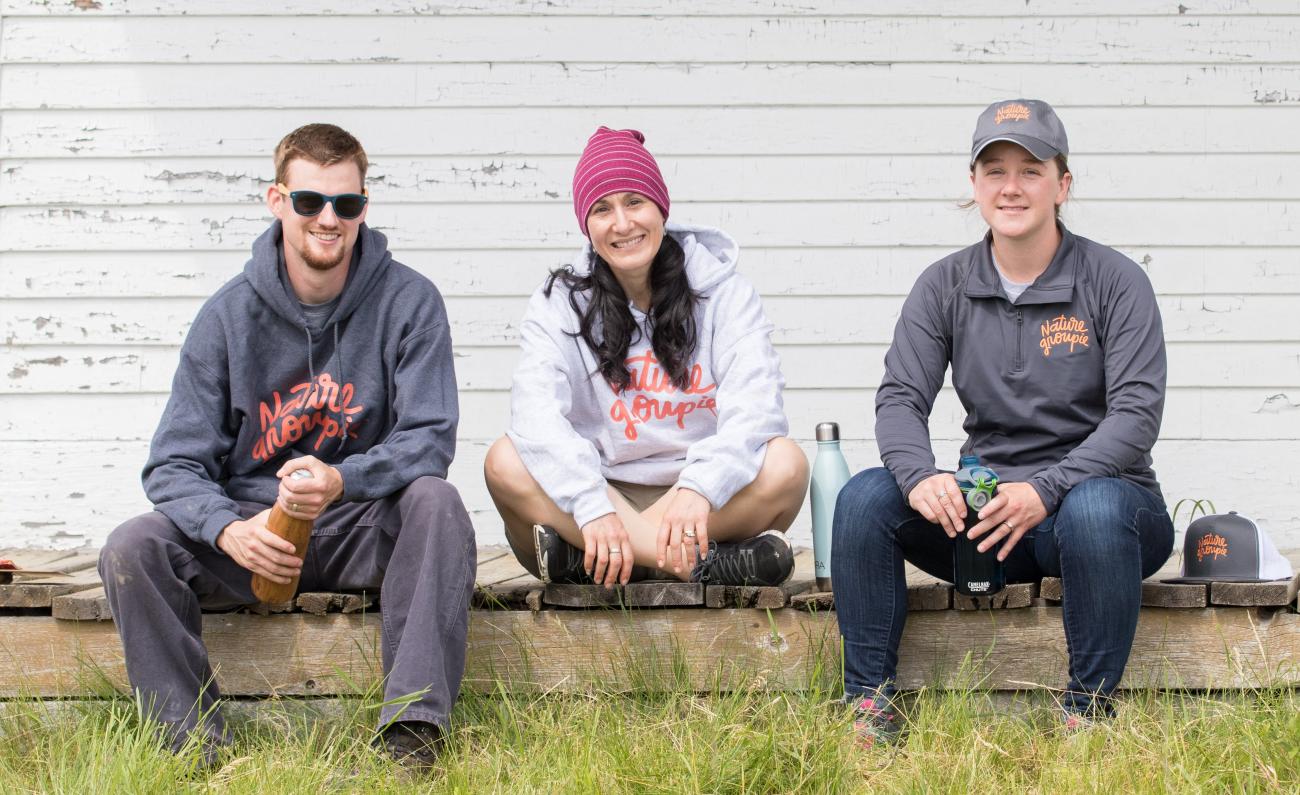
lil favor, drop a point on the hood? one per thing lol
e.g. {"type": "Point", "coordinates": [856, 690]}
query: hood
{"type": "Point", "coordinates": [370, 260]}
{"type": "Point", "coordinates": [711, 254]}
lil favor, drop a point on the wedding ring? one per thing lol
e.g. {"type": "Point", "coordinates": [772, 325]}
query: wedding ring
{"type": "Point", "coordinates": [293, 506]}
{"type": "Point", "coordinates": [943, 496]}
{"type": "Point", "coordinates": [1010, 526]}
{"type": "Point", "coordinates": [688, 533]}
{"type": "Point", "coordinates": [615, 551]}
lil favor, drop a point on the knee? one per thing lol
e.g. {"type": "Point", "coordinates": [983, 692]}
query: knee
{"type": "Point", "coordinates": [1096, 515]}
{"type": "Point", "coordinates": [440, 503]}
{"type": "Point", "coordinates": [138, 545]}
{"type": "Point", "coordinates": [784, 470]}
{"type": "Point", "coordinates": [504, 470]}
{"type": "Point", "coordinates": [864, 504]}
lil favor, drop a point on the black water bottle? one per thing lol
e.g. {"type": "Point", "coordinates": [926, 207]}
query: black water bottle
{"type": "Point", "coordinates": [976, 573]}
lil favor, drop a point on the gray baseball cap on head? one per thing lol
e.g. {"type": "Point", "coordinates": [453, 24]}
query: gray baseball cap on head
{"type": "Point", "coordinates": [1029, 122]}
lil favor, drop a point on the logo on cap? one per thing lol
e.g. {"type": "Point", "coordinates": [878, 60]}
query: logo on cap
{"type": "Point", "coordinates": [1211, 545]}
{"type": "Point", "coordinates": [1012, 112]}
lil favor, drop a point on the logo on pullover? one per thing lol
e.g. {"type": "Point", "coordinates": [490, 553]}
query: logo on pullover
{"type": "Point", "coordinates": [649, 377]}
{"type": "Point", "coordinates": [1061, 330]}
{"type": "Point", "coordinates": [312, 407]}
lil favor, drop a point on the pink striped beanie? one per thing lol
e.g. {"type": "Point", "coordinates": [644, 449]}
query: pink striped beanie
{"type": "Point", "coordinates": [616, 161]}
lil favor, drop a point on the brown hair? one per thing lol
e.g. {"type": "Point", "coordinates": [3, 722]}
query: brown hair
{"type": "Point", "coordinates": [323, 144]}
{"type": "Point", "coordinates": [1062, 168]}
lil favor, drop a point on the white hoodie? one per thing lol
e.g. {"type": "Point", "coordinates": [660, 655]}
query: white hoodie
{"type": "Point", "coordinates": [573, 431]}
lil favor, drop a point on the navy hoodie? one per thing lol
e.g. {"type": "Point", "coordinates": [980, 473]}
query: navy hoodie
{"type": "Point", "coordinates": [373, 393]}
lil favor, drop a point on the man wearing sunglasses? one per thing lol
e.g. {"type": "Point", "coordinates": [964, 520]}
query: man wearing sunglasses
{"type": "Point", "coordinates": [328, 357]}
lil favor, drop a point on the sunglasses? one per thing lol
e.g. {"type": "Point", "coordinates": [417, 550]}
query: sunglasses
{"type": "Point", "coordinates": [309, 202]}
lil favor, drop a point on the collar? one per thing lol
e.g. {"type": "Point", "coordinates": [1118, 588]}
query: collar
{"type": "Point", "coordinates": [1054, 285]}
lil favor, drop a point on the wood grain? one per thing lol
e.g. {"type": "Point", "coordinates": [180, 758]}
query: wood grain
{"type": "Point", "coordinates": [552, 650]}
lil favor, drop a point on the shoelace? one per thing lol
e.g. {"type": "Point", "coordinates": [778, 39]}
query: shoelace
{"type": "Point", "coordinates": [737, 567]}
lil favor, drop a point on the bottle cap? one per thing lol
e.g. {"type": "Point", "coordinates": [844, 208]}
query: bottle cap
{"type": "Point", "coordinates": [828, 431]}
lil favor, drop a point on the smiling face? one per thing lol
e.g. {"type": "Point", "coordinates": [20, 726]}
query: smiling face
{"type": "Point", "coordinates": [626, 230]}
{"type": "Point", "coordinates": [324, 241]}
{"type": "Point", "coordinates": [1017, 193]}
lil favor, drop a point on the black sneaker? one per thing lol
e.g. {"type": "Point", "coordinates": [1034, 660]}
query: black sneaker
{"type": "Point", "coordinates": [414, 744]}
{"type": "Point", "coordinates": [558, 561]}
{"type": "Point", "coordinates": [765, 559]}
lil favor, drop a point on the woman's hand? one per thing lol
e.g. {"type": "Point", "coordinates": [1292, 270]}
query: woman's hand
{"type": "Point", "coordinates": [938, 499]}
{"type": "Point", "coordinates": [607, 553]}
{"type": "Point", "coordinates": [684, 530]}
{"type": "Point", "coordinates": [1015, 510]}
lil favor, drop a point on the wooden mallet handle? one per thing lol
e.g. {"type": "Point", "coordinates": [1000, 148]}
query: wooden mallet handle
{"type": "Point", "coordinates": [297, 532]}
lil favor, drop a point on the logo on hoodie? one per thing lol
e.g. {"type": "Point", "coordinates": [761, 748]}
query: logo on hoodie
{"type": "Point", "coordinates": [650, 380]}
{"type": "Point", "coordinates": [1061, 330]}
{"type": "Point", "coordinates": [313, 408]}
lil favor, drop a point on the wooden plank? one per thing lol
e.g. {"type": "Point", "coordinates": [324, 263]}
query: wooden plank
{"type": "Point", "coordinates": [640, 8]}
{"type": "Point", "coordinates": [489, 132]}
{"type": "Point", "coordinates": [88, 605]}
{"type": "Point", "coordinates": [635, 594]}
{"type": "Point", "coordinates": [301, 654]}
{"type": "Point", "coordinates": [719, 596]}
{"type": "Point", "coordinates": [1260, 594]}
{"type": "Point", "coordinates": [519, 178]}
{"type": "Point", "coordinates": [1154, 593]}
{"type": "Point", "coordinates": [774, 270]}
{"type": "Point", "coordinates": [1015, 595]}
{"type": "Point", "coordinates": [424, 39]}
{"type": "Point", "coordinates": [318, 604]}
{"type": "Point", "coordinates": [831, 223]}
{"type": "Point", "coordinates": [799, 320]}
{"type": "Point", "coordinates": [478, 84]}
{"type": "Point", "coordinates": [81, 575]}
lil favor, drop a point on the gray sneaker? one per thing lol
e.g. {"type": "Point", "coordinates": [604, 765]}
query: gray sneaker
{"type": "Point", "coordinates": [558, 561]}
{"type": "Point", "coordinates": [765, 559]}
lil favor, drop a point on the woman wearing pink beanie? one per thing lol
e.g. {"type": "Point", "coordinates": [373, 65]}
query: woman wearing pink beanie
{"type": "Point", "coordinates": [647, 427]}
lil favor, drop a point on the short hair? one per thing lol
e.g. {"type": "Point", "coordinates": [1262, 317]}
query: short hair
{"type": "Point", "coordinates": [323, 144]}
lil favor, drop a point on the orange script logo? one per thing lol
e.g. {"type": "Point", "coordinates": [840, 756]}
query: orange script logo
{"type": "Point", "coordinates": [1012, 112]}
{"type": "Point", "coordinates": [648, 376]}
{"type": "Point", "coordinates": [1212, 545]}
{"type": "Point", "coordinates": [1061, 330]}
{"type": "Point", "coordinates": [312, 406]}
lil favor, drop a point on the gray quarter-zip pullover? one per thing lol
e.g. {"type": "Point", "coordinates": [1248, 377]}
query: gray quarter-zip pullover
{"type": "Point", "coordinates": [1064, 385]}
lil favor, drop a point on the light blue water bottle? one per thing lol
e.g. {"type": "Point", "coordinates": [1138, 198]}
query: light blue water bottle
{"type": "Point", "coordinates": [830, 473]}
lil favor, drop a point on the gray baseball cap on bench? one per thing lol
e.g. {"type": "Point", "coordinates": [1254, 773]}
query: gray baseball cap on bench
{"type": "Point", "coordinates": [1029, 122]}
{"type": "Point", "coordinates": [1229, 547]}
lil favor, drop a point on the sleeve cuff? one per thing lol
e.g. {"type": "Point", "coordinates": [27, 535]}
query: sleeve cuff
{"type": "Point", "coordinates": [591, 505]}
{"type": "Point", "coordinates": [1050, 501]}
{"type": "Point", "coordinates": [213, 526]}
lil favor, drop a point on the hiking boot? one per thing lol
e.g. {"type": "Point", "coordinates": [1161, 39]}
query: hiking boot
{"type": "Point", "coordinates": [875, 722]}
{"type": "Point", "coordinates": [765, 559]}
{"type": "Point", "coordinates": [558, 561]}
{"type": "Point", "coordinates": [414, 745]}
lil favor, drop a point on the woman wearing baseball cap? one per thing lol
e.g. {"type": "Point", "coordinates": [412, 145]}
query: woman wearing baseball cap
{"type": "Point", "coordinates": [1058, 357]}
{"type": "Point", "coordinates": [647, 429]}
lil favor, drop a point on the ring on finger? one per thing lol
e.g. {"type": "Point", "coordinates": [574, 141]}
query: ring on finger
{"type": "Point", "coordinates": [688, 533]}
{"type": "Point", "coordinates": [293, 506]}
{"type": "Point", "coordinates": [943, 496]}
{"type": "Point", "coordinates": [1010, 526]}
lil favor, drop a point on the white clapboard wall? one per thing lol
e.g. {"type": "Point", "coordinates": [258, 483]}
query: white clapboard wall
{"type": "Point", "coordinates": [828, 136]}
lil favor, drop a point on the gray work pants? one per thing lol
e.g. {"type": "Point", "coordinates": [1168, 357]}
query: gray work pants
{"type": "Point", "coordinates": [416, 546]}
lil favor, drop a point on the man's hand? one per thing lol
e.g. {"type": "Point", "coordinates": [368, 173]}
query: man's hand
{"type": "Point", "coordinates": [307, 498]}
{"type": "Point", "coordinates": [257, 549]}
{"type": "Point", "coordinates": [938, 499]}
{"type": "Point", "coordinates": [1015, 510]}
{"type": "Point", "coordinates": [607, 552]}
{"type": "Point", "coordinates": [684, 528]}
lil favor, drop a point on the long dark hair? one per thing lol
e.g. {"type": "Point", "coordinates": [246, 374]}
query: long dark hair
{"type": "Point", "coordinates": [671, 319]}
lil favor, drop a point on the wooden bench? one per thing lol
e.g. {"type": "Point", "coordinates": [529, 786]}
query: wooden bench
{"type": "Point", "coordinates": [57, 639]}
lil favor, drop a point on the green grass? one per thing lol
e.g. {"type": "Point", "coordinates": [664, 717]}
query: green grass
{"type": "Point", "coordinates": [682, 742]}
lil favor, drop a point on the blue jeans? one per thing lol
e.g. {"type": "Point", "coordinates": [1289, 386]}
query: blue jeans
{"type": "Point", "coordinates": [1106, 537]}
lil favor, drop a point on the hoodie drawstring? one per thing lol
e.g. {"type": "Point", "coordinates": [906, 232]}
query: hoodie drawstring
{"type": "Point", "coordinates": [343, 419]}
